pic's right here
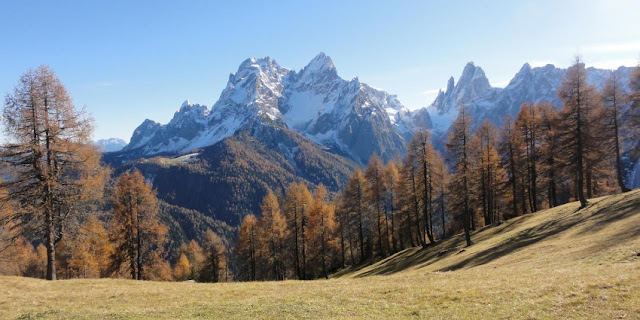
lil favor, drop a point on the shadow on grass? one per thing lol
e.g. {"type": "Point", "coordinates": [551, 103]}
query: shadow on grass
{"type": "Point", "coordinates": [611, 210]}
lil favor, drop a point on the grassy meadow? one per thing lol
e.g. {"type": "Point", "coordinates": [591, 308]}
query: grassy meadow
{"type": "Point", "coordinates": [557, 263]}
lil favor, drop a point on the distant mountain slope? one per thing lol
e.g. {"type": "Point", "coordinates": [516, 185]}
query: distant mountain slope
{"type": "Point", "coordinates": [486, 102]}
{"type": "Point", "coordinates": [111, 144]}
{"type": "Point", "coordinates": [474, 92]}
{"type": "Point", "coordinates": [186, 225]}
{"type": "Point", "coordinates": [228, 180]}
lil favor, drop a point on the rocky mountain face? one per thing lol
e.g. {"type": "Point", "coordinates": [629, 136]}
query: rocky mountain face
{"type": "Point", "coordinates": [272, 126]}
{"type": "Point", "coordinates": [474, 92]}
{"type": "Point", "coordinates": [348, 117]}
{"type": "Point", "coordinates": [110, 145]}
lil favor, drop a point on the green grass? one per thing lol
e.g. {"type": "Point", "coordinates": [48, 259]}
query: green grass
{"type": "Point", "coordinates": [558, 263]}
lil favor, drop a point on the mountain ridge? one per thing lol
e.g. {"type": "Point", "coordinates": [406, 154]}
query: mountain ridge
{"type": "Point", "coordinates": [349, 117]}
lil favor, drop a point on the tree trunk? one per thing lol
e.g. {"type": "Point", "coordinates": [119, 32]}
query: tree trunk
{"type": "Point", "coordinates": [425, 200]}
{"type": "Point", "coordinates": [579, 157]}
{"type": "Point", "coordinates": [50, 245]}
{"type": "Point", "coordinates": [296, 258]}
{"type": "Point", "coordinates": [514, 187]}
{"type": "Point", "coordinates": [304, 245]}
{"type": "Point", "coordinates": [623, 188]}
{"type": "Point", "coordinates": [393, 228]}
{"type": "Point", "coordinates": [420, 235]}
{"type": "Point", "coordinates": [444, 232]}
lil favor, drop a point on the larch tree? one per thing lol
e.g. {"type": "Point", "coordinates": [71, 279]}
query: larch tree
{"type": "Point", "coordinates": [247, 248]}
{"type": "Point", "coordinates": [343, 229]}
{"type": "Point", "coordinates": [441, 174]}
{"type": "Point", "coordinates": [354, 204]}
{"type": "Point", "coordinates": [54, 166]}
{"type": "Point", "coordinates": [375, 197]}
{"type": "Point", "coordinates": [321, 229]}
{"type": "Point", "coordinates": [613, 97]}
{"type": "Point", "coordinates": [392, 206]}
{"type": "Point", "coordinates": [549, 146]}
{"type": "Point", "coordinates": [422, 153]}
{"type": "Point", "coordinates": [526, 125]}
{"type": "Point", "coordinates": [578, 98]}
{"type": "Point", "coordinates": [182, 269]}
{"type": "Point", "coordinates": [214, 267]}
{"type": "Point", "coordinates": [194, 254]}
{"type": "Point", "coordinates": [510, 147]}
{"type": "Point", "coordinates": [91, 250]}
{"type": "Point", "coordinates": [273, 234]}
{"type": "Point", "coordinates": [409, 174]}
{"type": "Point", "coordinates": [136, 231]}
{"type": "Point", "coordinates": [196, 257]}
{"type": "Point", "coordinates": [458, 152]}
{"type": "Point", "coordinates": [487, 167]}
{"type": "Point", "coordinates": [297, 203]}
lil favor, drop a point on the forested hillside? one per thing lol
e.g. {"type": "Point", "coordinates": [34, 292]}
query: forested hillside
{"type": "Point", "coordinates": [227, 180]}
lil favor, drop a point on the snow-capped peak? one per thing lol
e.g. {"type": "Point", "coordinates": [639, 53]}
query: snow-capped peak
{"type": "Point", "coordinates": [319, 63]}
{"type": "Point", "coordinates": [340, 114]}
{"type": "Point", "coordinates": [485, 102]}
{"type": "Point", "coordinates": [194, 109]}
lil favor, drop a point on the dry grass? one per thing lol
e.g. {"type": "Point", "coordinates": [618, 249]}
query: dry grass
{"type": "Point", "coordinates": [559, 263]}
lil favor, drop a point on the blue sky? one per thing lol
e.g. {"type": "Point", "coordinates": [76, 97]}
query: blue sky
{"type": "Point", "coordinates": [131, 60]}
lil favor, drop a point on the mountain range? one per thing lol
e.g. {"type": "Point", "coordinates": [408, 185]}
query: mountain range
{"type": "Point", "coordinates": [344, 116]}
{"type": "Point", "coordinates": [474, 92]}
{"type": "Point", "coordinates": [272, 126]}
{"type": "Point", "coordinates": [110, 145]}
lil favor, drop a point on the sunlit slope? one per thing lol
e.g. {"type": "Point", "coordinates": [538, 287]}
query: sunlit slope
{"type": "Point", "coordinates": [556, 264]}
{"type": "Point", "coordinates": [607, 231]}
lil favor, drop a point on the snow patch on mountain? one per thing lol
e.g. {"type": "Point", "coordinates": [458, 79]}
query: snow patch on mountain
{"type": "Point", "coordinates": [314, 101]}
{"type": "Point", "coordinates": [474, 92]}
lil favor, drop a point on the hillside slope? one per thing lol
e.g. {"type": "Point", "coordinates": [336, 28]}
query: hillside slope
{"type": "Point", "coordinates": [607, 231]}
{"type": "Point", "coordinates": [228, 180]}
{"type": "Point", "coordinates": [555, 264]}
